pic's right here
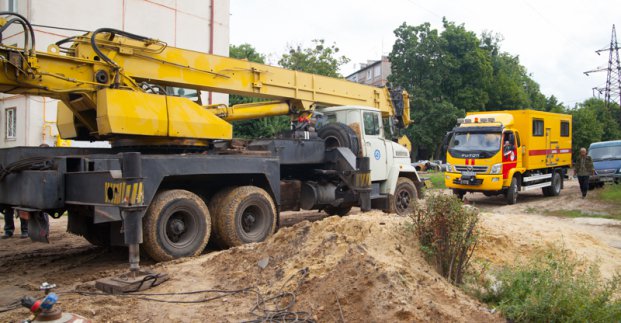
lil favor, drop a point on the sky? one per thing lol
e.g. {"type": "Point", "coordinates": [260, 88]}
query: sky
{"type": "Point", "coordinates": [554, 39]}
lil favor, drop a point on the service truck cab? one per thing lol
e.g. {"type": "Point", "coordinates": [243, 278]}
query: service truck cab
{"type": "Point", "coordinates": [504, 152]}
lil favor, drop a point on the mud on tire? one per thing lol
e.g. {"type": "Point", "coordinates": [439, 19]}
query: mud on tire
{"type": "Point", "coordinates": [405, 197]}
{"type": "Point", "coordinates": [177, 224]}
{"type": "Point", "coordinates": [243, 215]}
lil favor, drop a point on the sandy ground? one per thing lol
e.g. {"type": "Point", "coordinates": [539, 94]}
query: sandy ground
{"type": "Point", "coordinates": [516, 231]}
{"type": "Point", "coordinates": [364, 267]}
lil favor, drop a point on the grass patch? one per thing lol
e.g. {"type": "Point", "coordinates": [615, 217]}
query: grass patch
{"type": "Point", "coordinates": [584, 214]}
{"type": "Point", "coordinates": [437, 179]}
{"type": "Point", "coordinates": [554, 287]}
{"type": "Point", "coordinates": [611, 193]}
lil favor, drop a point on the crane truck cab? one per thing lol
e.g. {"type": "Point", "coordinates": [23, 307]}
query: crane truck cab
{"type": "Point", "coordinates": [395, 184]}
{"type": "Point", "coordinates": [505, 152]}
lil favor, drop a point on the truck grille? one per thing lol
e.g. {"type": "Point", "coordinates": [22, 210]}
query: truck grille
{"type": "Point", "coordinates": [468, 168]}
{"type": "Point", "coordinates": [605, 171]}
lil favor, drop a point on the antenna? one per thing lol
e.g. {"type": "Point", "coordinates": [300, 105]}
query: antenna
{"type": "Point", "coordinates": [612, 90]}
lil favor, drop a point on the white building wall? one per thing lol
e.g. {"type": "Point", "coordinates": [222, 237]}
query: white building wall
{"type": "Point", "coordinates": [180, 23]}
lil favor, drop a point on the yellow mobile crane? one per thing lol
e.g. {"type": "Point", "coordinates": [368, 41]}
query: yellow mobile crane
{"type": "Point", "coordinates": [172, 179]}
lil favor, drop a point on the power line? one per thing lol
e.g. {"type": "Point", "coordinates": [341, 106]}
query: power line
{"type": "Point", "coordinates": [612, 89]}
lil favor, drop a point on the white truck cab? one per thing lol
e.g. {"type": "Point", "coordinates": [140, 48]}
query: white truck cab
{"type": "Point", "coordinates": [393, 177]}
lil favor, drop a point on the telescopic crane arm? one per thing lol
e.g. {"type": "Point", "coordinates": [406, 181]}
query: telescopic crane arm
{"type": "Point", "coordinates": [116, 85]}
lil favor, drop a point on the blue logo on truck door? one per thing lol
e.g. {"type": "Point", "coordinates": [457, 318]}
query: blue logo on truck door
{"type": "Point", "coordinates": [377, 154]}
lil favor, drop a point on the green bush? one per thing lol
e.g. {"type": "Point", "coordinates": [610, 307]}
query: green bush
{"type": "Point", "coordinates": [554, 287]}
{"type": "Point", "coordinates": [448, 234]}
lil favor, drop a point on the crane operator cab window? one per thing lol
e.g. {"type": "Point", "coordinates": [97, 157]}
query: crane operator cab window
{"type": "Point", "coordinates": [372, 123]}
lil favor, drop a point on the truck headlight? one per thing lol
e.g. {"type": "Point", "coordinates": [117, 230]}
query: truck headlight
{"type": "Point", "coordinates": [496, 169]}
{"type": "Point", "coordinates": [449, 168]}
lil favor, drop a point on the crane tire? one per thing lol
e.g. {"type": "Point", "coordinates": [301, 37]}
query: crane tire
{"type": "Point", "coordinates": [245, 214]}
{"type": "Point", "coordinates": [340, 135]}
{"type": "Point", "coordinates": [177, 224]}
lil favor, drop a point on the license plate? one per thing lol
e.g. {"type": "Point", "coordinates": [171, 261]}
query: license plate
{"type": "Point", "coordinates": [468, 174]}
{"type": "Point", "coordinates": [465, 182]}
{"type": "Point", "coordinates": [606, 179]}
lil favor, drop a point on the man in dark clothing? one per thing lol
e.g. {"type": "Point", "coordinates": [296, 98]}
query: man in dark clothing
{"type": "Point", "coordinates": [583, 168]}
{"type": "Point", "coordinates": [9, 225]}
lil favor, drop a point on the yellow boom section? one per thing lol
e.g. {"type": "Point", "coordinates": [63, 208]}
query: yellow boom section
{"type": "Point", "coordinates": [112, 84]}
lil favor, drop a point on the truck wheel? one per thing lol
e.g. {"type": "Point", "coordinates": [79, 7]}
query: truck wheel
{"type": "Point", "coordinates": [214, 203]}
{"type": "Point", "coordinates": [337, 210]}
{"type": "Point", "coordinates": [340, 135]}
{"type": "Point", "coordinates": [177, 224]}
{"type": "Point", "coordinates": [459, 194]}
{"type": "Point", "coordinates": [245, 214]}
{"type": "Point", "coordinates": [404, 199]}
{"type": "Point", "coordinates": [512, 192]}
{"type": "Point", "coordinates": [555, 189]}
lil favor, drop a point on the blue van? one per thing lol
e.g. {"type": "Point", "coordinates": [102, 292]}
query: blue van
{"type": "Point", "coordinates": [606, 157]}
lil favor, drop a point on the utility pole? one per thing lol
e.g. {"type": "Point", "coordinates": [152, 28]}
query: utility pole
{"type": "Point", "coordinates": [612, 90]}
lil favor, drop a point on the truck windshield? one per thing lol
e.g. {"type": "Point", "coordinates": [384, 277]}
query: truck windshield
{"type": "Point", "coordinates": [474, 144]}
{"type": "Point", "coordinates": [605, 153]}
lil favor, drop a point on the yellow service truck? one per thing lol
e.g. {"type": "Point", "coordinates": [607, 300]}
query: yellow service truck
{"type": "Point", "coordinates": [505, 152]}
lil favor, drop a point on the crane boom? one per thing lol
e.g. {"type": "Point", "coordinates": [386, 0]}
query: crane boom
{"type": "Point", "coordinates": [113, 84]}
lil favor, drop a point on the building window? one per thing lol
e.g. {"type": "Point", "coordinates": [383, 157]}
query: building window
{"type": "Point", "coordinates": [12, 5]}
{"type": "Point", "coordinates": [11, 123]}
{"type": "Point", "coordinates": [537, 127]}
{"type": "Point", "coordinates": [369, 74]}
{"type": "Point", "coordinates": [377, 70]}
{"type": "Point", "coordinates": [564, 128]}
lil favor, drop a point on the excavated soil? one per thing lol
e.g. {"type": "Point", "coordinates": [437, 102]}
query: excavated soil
{"type": "Point", "coordinates": [363, 267]}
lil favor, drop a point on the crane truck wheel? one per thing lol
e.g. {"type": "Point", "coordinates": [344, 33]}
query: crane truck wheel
{"type": "Point", "coordinates": [555, 188]}
{"type": "Point", "coordinates": [512, 192]}
{"type": "Point", "coordinates": [337, 210]}
{"type": "Point", "coordinates": [340, 135]}
{"type": "Point", "coordinates": [214, 205]}
{"type": "Point", "coordinates": [177, 224]}
{"type": "Point", "coordinates": [404, 199]}
{"type": "Point", "coordinates": [245, 214]}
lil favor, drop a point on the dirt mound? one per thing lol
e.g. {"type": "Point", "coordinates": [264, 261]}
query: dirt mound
{"type": "Point", "coordinates": [512, 238]}
{"type": "Point", "coordinates": [361, 267]}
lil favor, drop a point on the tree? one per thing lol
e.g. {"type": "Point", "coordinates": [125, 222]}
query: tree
{"type": "Point", "coordinates": [586, 129]}
{"type": "Point", "coordinates": [593, 121]}
{"type": "Point", "coordinates": [452, 72]}
{"type": "Point", "coordinates": [318, 59]}
{"type": "Point", "coordinates": [246, 51]}
{"type": "Point", "coordinates": [469, 68]}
